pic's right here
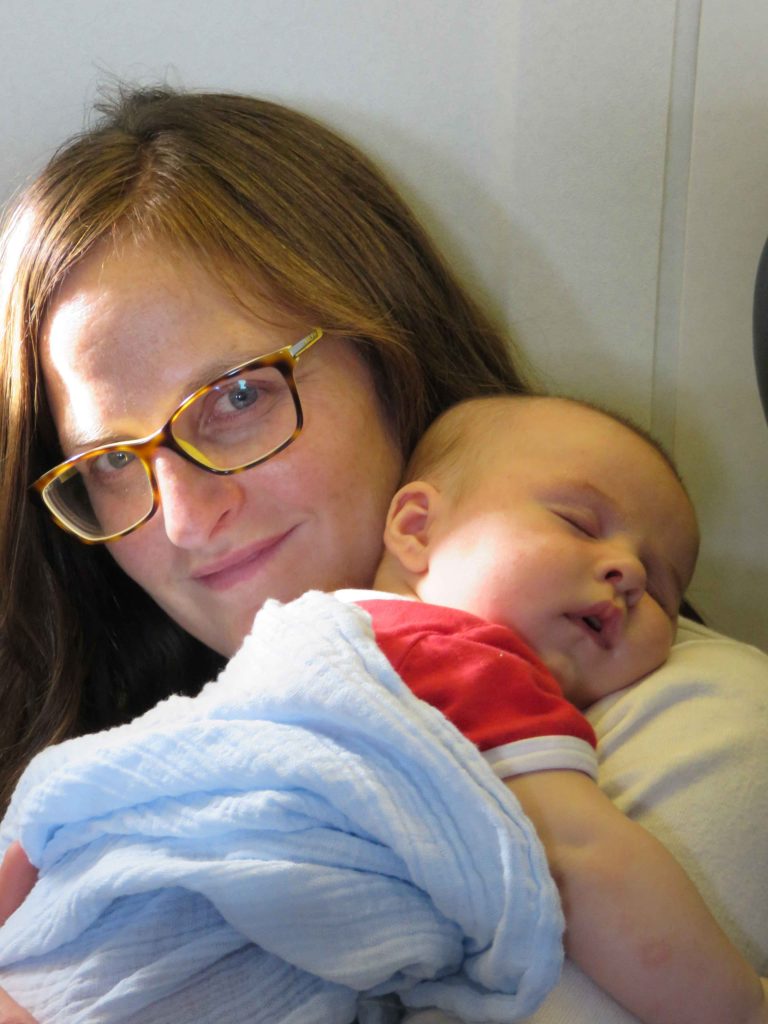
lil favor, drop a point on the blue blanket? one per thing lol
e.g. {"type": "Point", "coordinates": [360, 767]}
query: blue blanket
{"type": "Point", "coordinates": [303, 834]}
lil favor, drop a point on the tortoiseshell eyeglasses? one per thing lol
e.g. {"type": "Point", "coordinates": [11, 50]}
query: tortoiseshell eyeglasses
{"type": "Point", "coordinates": [238, 421]}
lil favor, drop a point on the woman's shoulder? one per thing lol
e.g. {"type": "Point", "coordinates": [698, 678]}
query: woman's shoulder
{"type": "Point", "coordinates": [690, 728]}
{"type": "Point", "coordinates": [709, 679]}
{"type": "Point", "coordinates": [690, 632]}
{"type": "Point", "coordinates": [683, 753]}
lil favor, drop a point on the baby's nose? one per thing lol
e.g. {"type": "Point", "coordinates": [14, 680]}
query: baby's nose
{"type": "Point", "coordinates": [626, 574]}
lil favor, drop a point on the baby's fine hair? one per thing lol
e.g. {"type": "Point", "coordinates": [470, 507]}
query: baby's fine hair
{"type": "Point", "coordinates": [442, 452]}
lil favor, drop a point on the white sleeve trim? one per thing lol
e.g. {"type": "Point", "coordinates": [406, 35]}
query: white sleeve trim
{"type": "Point", "coordinates": [543, 753]}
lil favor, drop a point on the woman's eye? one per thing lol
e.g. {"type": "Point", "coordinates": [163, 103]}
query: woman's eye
{"type": "Point", "coordinates": [241, 395]}
{"type": "Point", "coordinates": [257, 394]}
{"type": "Point", "coordinates": [256, 400]}
{"type": "Point", "coordinates": [111, 462]}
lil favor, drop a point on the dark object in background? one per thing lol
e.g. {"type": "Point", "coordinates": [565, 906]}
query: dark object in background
{"type": "Point", "coordinates": [760, 328]}
{"type": "Point", "coordinates": [760, 346]}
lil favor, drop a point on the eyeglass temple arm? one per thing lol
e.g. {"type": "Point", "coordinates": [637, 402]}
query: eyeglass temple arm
{"type": "Point", "coordinates": [300, 347]}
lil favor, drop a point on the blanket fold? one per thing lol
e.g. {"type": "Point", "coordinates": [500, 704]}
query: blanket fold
{"type": "Point", "coordinates": [302, 835]}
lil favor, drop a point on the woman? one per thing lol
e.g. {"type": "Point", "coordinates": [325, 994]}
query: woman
{"type": "Point", "coordinates": [181, 237]}
{"type": "Point", "coordinates": [288, 225]}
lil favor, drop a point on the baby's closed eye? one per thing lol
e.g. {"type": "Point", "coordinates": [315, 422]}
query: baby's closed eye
{"type": "Point", "coordinates": [581, 519]}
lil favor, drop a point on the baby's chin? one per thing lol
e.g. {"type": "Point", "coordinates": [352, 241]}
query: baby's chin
{"type": "Point", "coordinates": [581, 689]}
{"type": "Point", "coordinates": [566, 672]}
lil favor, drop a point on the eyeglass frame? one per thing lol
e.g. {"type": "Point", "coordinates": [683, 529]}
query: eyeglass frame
{"type": "Point", "coordinates": [283, 359]}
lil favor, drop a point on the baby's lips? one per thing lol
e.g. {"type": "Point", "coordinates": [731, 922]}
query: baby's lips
{"type": "Point", "coordinates": [603, 621]}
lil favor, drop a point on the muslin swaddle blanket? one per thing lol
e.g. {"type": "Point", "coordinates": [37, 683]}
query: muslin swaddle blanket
{"type": "Point", "coordinates": [301, 835]}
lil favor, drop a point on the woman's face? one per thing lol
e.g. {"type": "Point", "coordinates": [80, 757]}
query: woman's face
{"type": "Point", "coordinates": [130, 334]}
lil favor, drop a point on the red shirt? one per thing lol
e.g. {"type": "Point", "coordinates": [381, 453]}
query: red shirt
{"type": "Point", "coordinates": [486, 681]}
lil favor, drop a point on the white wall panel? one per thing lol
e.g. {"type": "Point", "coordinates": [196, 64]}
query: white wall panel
{"type": "Point", "coordinates": [590, 106]}
{"type": "Point", "coordinates": [424, 86]}
{"type": "Point", "coordinates": [722, 440]}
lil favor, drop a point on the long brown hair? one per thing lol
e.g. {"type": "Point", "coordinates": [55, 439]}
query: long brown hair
{"type": "Point", "coordinates": [262, 196]}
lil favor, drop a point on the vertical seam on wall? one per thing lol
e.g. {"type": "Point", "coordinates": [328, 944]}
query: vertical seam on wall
{"type": "Point", "coordinates": [671, 266]}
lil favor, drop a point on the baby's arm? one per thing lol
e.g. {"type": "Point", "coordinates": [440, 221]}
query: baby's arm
{"type": "Point", "coordinates": [634, 921]}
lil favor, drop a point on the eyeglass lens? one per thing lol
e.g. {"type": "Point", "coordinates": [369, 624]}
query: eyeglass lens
{"type": "Point", "coordinates": [235, 422]}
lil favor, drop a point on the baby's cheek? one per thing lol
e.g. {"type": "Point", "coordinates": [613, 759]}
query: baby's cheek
{"type": "Point", "coordinates": [657, 636]}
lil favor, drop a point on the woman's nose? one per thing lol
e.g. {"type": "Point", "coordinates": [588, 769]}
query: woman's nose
{"type": "Point", "coordinates": [194, 504]}
{"type": "Point", "coordinates": [626, 574]}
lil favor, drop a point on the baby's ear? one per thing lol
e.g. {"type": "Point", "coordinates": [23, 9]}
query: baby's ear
{"type": "Point", "coordinates": [409, 523]}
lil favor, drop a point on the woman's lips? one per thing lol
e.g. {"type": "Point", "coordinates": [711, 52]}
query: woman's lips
{"type": "Point", "coordinates": [240, 565]}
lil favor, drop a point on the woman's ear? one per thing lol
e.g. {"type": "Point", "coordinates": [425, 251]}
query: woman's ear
{"type": "Point", "coordinates": [409, 524]}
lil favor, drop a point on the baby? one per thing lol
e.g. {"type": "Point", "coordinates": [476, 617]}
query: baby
{"type": "Point", "coordinates": [542, 525]}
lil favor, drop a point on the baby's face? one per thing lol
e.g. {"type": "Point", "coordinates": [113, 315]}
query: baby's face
{"type": "Point", "coordinates": [575, 533]}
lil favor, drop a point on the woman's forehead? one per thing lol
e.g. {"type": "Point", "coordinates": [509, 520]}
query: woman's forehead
{"type": "Point", "coordinates": [130, 335]}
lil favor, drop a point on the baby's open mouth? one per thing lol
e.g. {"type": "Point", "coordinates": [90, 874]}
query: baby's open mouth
{"type": "Point", "coordinates": [602, 623]}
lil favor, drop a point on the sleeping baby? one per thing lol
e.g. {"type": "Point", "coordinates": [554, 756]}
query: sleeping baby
{"type": "Point", "coordinates": [544, 525]}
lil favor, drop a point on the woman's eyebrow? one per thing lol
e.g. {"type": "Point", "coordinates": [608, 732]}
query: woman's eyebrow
{"type": "Point", "coordinates": [217, 369]}
{"type": "Point", "coordinates": [83, 441]}
{"type": "Point", "coordinates": [79, 443]}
